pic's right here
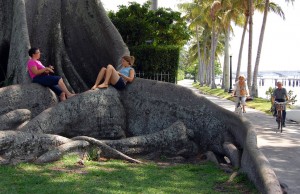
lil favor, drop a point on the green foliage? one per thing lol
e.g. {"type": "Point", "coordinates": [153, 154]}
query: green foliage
{"type": "Point", "coordinates": [269, 93]}
{"type": "Point", "coordinates": [66, 176]}
{"type": "Point", "coordinates": [257, 103]}
{"type": "Point", "coordinates": [150, 59]}
{"type": "Point", "coordinates": [218, 68]}
{"type": "Point", "coordinates": [149, 35]}
{"type": "Point", "coordinates": [94, 154]}
{"type": "Point", "coordinates": [138, 24]}
{"type": "Point", "coordinates": [292, 98]}
{"type": "Point", "coordinates": [191, 69]}
{"type": "Point", "coordinates": [180, 75]}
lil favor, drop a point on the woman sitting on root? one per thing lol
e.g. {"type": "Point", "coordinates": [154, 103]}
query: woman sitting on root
{"type": "Point", "coordinates": [118, 79]}
{"type": "Point", "coordinates": [41, 75]}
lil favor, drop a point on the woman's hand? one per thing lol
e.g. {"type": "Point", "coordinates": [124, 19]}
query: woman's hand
{"type": "Point", "coordinates": [48, 70]}
{"type": "Point", "coordinates": [45, 70]}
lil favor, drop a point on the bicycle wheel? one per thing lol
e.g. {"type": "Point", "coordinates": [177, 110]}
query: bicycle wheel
{"type": "Point", "coordinates": [279, 121]}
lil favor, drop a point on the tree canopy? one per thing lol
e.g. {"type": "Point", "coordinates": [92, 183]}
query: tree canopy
{"type": "Point", "coordinates": [138, 25]}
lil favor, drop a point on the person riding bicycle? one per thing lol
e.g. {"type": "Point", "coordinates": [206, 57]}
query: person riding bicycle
{"type": "Point", "coordinates": [241, 92]}
{"type": "Point", "coordinates": [280, 95]}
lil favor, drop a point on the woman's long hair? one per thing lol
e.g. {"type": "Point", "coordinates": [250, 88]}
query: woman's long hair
{"type": "Point", "coordinates": [129, 59]}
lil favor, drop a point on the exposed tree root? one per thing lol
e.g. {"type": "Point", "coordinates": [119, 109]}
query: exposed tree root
{"type": "Point", "coordinates": [58, 152]}
{"type": "Point", "coordinates": [107, 150]}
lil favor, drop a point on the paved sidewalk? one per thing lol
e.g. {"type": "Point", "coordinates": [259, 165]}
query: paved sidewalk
{"type": "Point", "coordinates": [281, 149]}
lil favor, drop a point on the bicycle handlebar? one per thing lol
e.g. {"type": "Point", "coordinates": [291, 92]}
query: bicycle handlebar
{"type": "Point", "coordinates": [286, 102]}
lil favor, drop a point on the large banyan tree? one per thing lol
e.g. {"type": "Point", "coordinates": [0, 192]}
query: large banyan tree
{"type": "Point", "coordinates": [146, 120]}
{"type": "Point", "coordinates": [76, 37]}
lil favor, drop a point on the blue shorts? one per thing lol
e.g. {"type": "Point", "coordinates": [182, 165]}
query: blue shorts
{"type": "Point", "coordinates": [120, 85]}
{"type": "Point", "coordinates": [50, 81]}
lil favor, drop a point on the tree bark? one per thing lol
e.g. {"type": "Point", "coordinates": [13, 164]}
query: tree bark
{"type": "Point", "coordinates": [238, 69]}
{"type": "Point", "coordinates": [249, 67]}
{"type": "Point", "coordinates": [148, 116]}
{"type": "Point", "coordinates": [76, 37]}
{"type": "Point", "coordinates": [157, 123]}
{"type": "Point", "coordinates": [254, 91]}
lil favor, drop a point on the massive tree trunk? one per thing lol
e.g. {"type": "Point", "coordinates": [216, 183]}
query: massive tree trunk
{"type": "Point", "coordinates": [148, 119]}
{"type": "Point", "coordinates": [76, 37]}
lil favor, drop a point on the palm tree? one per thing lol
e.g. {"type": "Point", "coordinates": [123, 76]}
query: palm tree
{"type": "Point", "coordinates": [194, 15]}
{"type": "Point", "coordinates": [190, 17]}
{"type": "Point", "coordinates": [206, 15]}
{"type": "Point", "coordinates": [153, 4]}
{"type": "Point", "coordinates": [268, 6]}
{"type": "Point", "coordinates": [232, 14]}
{"type": "Point", "coordinates": [249, 67]}
{"type": "Point", "coordinates": [244, 8]}
{"type": "Point", "coordinates": [215, 7]}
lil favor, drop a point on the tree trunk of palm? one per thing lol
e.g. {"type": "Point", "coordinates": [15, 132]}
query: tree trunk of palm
{"type": "Point", "coordinates": [208, 70]}
{"type": "Point", "coordinates": [153, 4]}
{"type": "Point", "coordinates": [202, 80]}
{"type": "Point", "coordinates": [249, 69]}
{"type": "Point", "coordinates": [226, 72]}
{"type": "Point", "coordinates": [205, 65]}
{"type": "Point", "coordinates": [200, 73]}
{"type": "Point", "coordinates": [254, 91]}
{"type": "Point", "coordinates": [238, 69]}
{"type": "Point", "coordinates": [212, 58]}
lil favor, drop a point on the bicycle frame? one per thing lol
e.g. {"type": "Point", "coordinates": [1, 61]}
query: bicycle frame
{"type": "Point", "coordinates": [280, 106]}
{"type": "Point", "coordinates": [239, 108]}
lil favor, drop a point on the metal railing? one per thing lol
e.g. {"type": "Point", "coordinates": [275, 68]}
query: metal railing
{"type": "Point", "coordinates": [161, 76]}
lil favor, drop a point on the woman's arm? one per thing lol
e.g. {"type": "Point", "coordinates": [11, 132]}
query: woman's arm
{"type": "Point", "coordinates": [130, 78]}
{"type": "Point", "coordinates": [35, 71]}
{"type": "Point", "coordinates": [247, 89]}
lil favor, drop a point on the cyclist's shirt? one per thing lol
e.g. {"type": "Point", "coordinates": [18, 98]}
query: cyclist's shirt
{"type": "Point", "coordinates": [280, 94]}
{"type": "Point", "coordinates": [241, 89]}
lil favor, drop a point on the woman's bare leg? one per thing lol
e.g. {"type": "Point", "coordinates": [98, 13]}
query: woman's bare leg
{"type": "Point", "coordinates": [64, 88]}
{"type": "Point", "coordinates": [244, 110]}
{"type": "Point", "coordinates": [62, 96]}
{"type": "Point", "coordinates": [100, 77]}
{"type": "Point", "coordinates": [111, 77]}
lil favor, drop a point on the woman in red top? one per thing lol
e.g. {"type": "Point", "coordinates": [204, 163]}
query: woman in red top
{"type": "Point", "coordinates": [41, 75]}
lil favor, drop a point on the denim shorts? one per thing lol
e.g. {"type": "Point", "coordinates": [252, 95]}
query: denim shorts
{"type": "Point", "coordinates": [120, 85]}
{"type": "Point", "coordinates": [50, 81]}
{"type": "Point", "coordinates": [241, 100]}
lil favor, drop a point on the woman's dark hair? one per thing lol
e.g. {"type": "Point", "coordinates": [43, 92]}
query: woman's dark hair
{"type": "Point", "coordinates": [32, 51]}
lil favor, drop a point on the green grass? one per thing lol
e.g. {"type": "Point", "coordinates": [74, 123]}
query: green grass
{"type": "Point", "coordinates": [257, 103]}
{"type": "Point", "coordinates": [65, 176]}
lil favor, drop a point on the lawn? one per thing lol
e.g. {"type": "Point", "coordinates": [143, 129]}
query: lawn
{"type": "Point", "coordinates": [257, 103]}
{"type": "Point", "coordinates": [114, 176]}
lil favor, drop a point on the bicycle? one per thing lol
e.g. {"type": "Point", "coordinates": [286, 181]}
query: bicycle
{"type": "Point", "coordinates": [280, 106]}
{"type": "Point", "coordinates": [239, 108]}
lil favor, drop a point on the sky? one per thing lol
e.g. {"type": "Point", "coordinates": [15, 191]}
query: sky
{"type": "Point", "coordinates": [280, 50]}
